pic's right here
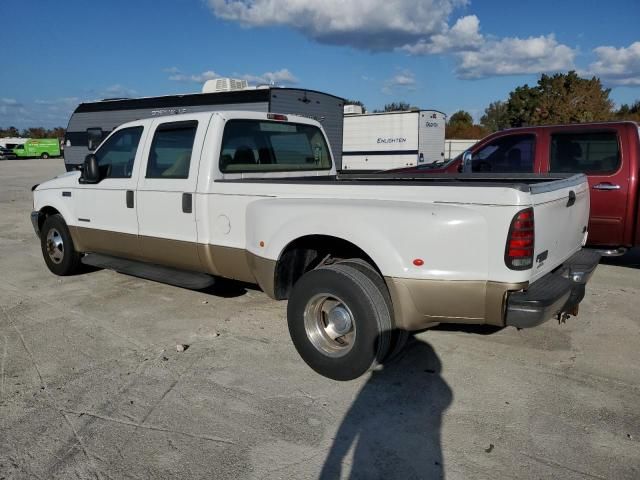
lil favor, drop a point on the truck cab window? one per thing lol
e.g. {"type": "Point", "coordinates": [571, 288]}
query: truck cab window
{"type": "Point", "coordinates": [510, 154]}
{"type": "Point", "coordinates": [268, 146]}
{"type": "Point", "coordinates": [118, 153]}
{"type": "Point", "coordinates": [596, 152]}
{"type": "Point", "coordinates": [170, 155]}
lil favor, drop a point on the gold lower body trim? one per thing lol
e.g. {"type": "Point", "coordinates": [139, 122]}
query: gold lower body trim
{"type": "Point", "coordinates": [418, 304]}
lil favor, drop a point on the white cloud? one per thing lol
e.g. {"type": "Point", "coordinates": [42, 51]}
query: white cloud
{"type": "Point", "coordinates": [464, 35]}
{"type": "Point", "coordinates": [10, 102]}
{"type": "Point", "coordinates": [281, 76]}
{"type": "Point", "coordinates": [363, 24]}
{"type": "Point", "coordinates": [178, 76]}
{"type": "Point", "coordinates": [515, 56]}
{"type": "Point", "coordinates": [117, 90]}
{"type": "Point", "coordinates": [617, 66]}
{"type": "Point", "coordinates": [417, 27]}
{"type": "Point", "coordinates": [405, 79]}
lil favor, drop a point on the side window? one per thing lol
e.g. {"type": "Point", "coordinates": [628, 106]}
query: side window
{"type": "Point", "coordinates": [94, 137]}
{"type": "Point", "coordinates": [596, 152]}
{"type": "Point", "coordinates": [272, 146]}
{"type": "Point", "coordinates": [118, 153]}
{"type": "Point", "coordinates": [170, 155]}
{"type": "Point", "coordinates": [509, 154]}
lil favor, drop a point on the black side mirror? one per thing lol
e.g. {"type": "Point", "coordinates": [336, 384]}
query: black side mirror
{"type": "Point", "coordinates": [90, 170]}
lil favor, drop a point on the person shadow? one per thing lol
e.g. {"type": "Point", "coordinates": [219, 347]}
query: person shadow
{"type": "Point", "coordinates": [393, 425]}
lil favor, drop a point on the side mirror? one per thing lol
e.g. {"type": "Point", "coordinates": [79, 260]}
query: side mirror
{"type": "Point", "coordinates": [466, 162]}
{"type": "Point", "coordinates": [90, 170]}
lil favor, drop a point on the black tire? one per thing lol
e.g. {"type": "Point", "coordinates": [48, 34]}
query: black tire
{"type": "Point", "coordinates": [399, 337]}
{"type": "Point", "coordinates": [45, 155]}
{"type": "Point", "coordinates": [348, 290]}
{"type": "Point", "coordinates": [57, 246]}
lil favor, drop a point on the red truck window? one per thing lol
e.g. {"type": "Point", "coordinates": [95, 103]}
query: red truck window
{"type": "Point", "coordinates": [509, 154]}
{"type": "Point", "coordinates": [590, 152]}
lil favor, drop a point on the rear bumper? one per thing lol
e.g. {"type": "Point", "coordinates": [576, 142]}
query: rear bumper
{"type": "Point", "coordinates": [558, 292]}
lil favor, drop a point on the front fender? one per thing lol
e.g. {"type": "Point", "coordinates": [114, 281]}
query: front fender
{"type": "Point", "coordinates": [452, 240]}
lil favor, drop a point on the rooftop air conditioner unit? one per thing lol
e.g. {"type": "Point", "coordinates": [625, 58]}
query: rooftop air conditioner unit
{"type": "Point", "coordinates": [352, 110]}
{"type": "Point", "coordinates": [224, 85]}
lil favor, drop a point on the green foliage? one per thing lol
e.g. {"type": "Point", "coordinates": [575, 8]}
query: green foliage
{"type": "Point", "coordinates": [397, 107]}
{"type": "Point", "coordinates": [629, 112]}
{"type": "Point", "coordinates": [559, 98]}
{"type": "Point", "coordinates": [496, 116]}
{"type": "Point", "coordinates": [33, 132]}
{"type": "Point", "coordinates": [461, 119]}
{"type": "Point", "coordinates": [460, 125]}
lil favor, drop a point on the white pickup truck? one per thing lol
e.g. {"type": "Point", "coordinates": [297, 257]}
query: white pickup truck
{"type": "Point", "coordinates": [363, 260]}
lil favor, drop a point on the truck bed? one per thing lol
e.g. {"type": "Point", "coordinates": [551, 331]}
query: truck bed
{"type": "Point", "coordinates": [525, 182]}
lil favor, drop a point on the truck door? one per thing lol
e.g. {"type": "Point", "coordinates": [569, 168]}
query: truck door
{"type": "Point", "coordinates": [166, 190]}
{"type": "Point", "coordinates": [596, 153]}
{"type": "Point", "coordinates": [105, 212]}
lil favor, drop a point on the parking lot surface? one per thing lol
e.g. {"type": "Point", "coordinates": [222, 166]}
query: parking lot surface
{"type": "Point", "coordinates": [91, 384]}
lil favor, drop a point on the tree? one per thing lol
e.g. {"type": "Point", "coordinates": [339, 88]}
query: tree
{"type": "Point", "coordinates": [559, 98]}
{"type": "Point", "coordinates": [496, 116]}
{"type": "Point", "coordinates": [629, 112]}
{"type": "Point", "coordinates": [521, 104]}
{"type": "Point", "coordinates": [356, 102]}
{"type": "Point", "coordinates": [396, 107]}
{"type": "Point", "coordinates": [460, 125]}
{"type": "Point", "coordinates": [461, 119]}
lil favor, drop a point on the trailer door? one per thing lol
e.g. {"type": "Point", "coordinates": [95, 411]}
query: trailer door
{"type": "Point", "coordinates": [431, 137]}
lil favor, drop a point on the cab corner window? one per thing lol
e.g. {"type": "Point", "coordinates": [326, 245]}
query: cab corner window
{"type": "Point", "coordinates": [170, 155]}
{"type": "Point", "coordinates": [117, 154]}
{"type": "Point", "coordinates": [270, 146]}
{"type": "Point", "coordinates": [596, 152]}
{"type": "Point", "coordinates": [508, 154]}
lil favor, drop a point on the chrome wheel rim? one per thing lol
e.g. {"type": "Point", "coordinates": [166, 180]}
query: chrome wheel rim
{"type": "Point", "coordinates": [55, 246]}
{"type": "Point", "coordinates": [329, 325]}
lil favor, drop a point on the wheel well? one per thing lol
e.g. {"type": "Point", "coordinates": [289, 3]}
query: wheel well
{"type": "Point", "coordinates": [306, 253]}
{"type": "Point", "coordinates": [44, 213]}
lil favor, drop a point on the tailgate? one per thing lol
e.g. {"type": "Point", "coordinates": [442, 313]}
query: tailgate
{"type": "Point", "coordinates": [561, 213]}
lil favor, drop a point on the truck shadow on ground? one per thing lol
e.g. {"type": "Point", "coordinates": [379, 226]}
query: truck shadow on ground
{"type": "Point", "coordinates": [227, 288]}
{"type": "Point", "coordinates": [394, 424]}
{"type": "Point", "coordinates": [631, 259]}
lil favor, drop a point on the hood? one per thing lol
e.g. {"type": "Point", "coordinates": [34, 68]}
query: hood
{"type": "Point", "coordinates": [67, 179]}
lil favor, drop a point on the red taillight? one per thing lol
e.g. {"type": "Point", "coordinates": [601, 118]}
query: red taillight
{"type": "Point", "coordinates": [277, 116]}
{"type": "Point", "coordinates": [520, 243]}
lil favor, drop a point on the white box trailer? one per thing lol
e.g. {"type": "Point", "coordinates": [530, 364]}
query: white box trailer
{"type": "Point", "coordinates": [382, 141]}
{"type": "Point", "coordinates": [455, 147]}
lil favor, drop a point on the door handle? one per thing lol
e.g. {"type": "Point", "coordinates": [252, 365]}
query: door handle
{"type": "Point", "coordinates": [129, 198]}
{"type": "Point", "coordinates": [606, 186]}
{"type": "Point", "coordinates": [187, 203]}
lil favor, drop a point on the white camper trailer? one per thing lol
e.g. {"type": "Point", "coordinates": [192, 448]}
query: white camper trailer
{"type": "Point", "coordinates": [382, 141]}
{"type": "Point", "coordinates": [92, 122]}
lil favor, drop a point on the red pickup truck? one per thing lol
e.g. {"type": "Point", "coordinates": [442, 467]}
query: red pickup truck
{"type": "Point", "coordinates": [609, 153]}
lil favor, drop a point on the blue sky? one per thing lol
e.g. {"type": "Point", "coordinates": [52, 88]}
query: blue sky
{"type": "Point", "coordinates": [442, 54]}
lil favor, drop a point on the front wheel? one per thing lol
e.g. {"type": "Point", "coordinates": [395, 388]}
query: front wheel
{"type": "Point", "coordinates": [57, 246]}
{"type": "Point", "coordinates": [339, 321]}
